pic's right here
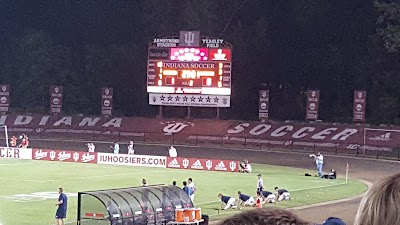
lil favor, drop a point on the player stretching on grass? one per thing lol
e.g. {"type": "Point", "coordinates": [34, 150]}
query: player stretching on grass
{"type": "Point", "coordinates": [245, 200]}
{"type": "Point", "coordinates": [62, 207]}
{"type": "Point", "coordinates": [283, 194]}
{"type": "Point", "coordinates": [229, 202]}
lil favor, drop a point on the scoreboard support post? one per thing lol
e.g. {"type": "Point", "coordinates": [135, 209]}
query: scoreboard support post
{"type": "Point", "coordinates": [218, 113]}
{"type": "Point", "coordinates": [188, 113]}
{"type": "Point", "coordinates": [160, 112]}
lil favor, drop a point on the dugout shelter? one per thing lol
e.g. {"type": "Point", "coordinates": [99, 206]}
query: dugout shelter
{"type": "Point", "coordinates": [151, 205]}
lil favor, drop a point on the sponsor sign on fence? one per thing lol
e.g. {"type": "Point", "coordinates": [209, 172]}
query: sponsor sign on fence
{"type": "Point", "coordinates": [203, 164]}
{"type": "Point", "coordinates": [131, 160]}
{"type": "Point", "coordinates": [64, 156]}
{"type": "Point", "coordinates": [16, 153]}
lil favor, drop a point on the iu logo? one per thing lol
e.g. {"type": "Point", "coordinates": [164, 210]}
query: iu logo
{"type": "Point", "coordinates": [3, 88]}
{"type": "Point", "coordinates": [185, 163]}
{"type": "Point", "coordinates": [52, 155]}
{"type": "Point", "coordinates": [76, 156]}
{"type": "Point", "coordinates": [313, 94]}
{"type": "Point", "coordinates": [209, 164]}
{"type": "Point", "coordinates": [232, 166]}
{"type": "Point", "coordinates": [189, 38]}
{"type": "Point", "coordinates": [56, 90]}
{"type": "Point", "coordinates": [264, 94]}
{"type": "Point", "coordinates": [107, 91]}
{"type": "Point", "coordinates": [360, 94]}
{"type": "Point", "coordinates": [174, 128]}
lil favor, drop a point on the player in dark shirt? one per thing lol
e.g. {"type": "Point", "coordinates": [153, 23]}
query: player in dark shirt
{"type": "Point", "coordinates": [268, 197]}
{"type": "Point", "coordinates": [331, 175]}
{"type": "Point", "coordinates": [245, 200]}
{"type": "Point", "coordinates": [283, 194]}
{"type": "Point", "coordinates": [229, 202]}
{"type": "Point", "coordinates": [112, 210]}
{"type": "Point", "coordinates": [186, 189]}
{"type": "Point", "coordinates": [62, 203]}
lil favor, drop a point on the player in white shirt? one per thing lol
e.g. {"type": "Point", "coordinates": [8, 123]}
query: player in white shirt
{"type": "Point", "coordinates": [91, 147]}
{"type": "Point", "coordinates": [131, 148]}
{"type": "Point", "coordinates": [319, 161]}
{"type": "Point", "coordinates": [193, 187]}
{"type": "Point", "coordinates": [260, 184]}
{"type": "Point", "coordinates": [172, 152]}
{"type": "Point", "coordinates": [245, 167]}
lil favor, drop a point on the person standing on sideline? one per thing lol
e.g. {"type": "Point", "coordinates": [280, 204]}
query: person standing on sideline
{"type": "Point", "coordinates": [13, 141]}
{"type": "Point", "coordinates": [131, 148]}
{"type": "Point", "coordinates": [193, 187]}
{"type": "Point", "coordinates": [91, 147]}
{"type": "Point", "coordinates": [115, 147]}
{"type": "Point", "coordinates": [172, 152]}
{"type": "Point", "coordinates": [319, 161]}
{"type": "Point", "coordinates": [260, 184]}
{"type": "Point", "coordinates": [186, 189]}
{"type": "Point", "coordinates": [62, 202]}
{"type": "Point", "coordinates": [144, 182]}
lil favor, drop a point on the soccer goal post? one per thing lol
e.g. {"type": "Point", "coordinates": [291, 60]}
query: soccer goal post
{"type": "Point", "coordinates": [381, 138]}
{"type": "Point", "coordinates": [4, 127]}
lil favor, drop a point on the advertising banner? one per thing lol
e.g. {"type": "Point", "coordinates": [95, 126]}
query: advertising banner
{"type": "Point", "coordinates": [64, 156]}
{"type": "Point", "coordinates": [56, 96]}
{"type": "Point", "coordinates": [312, 104]}
{"type": "Point", "coordinates": [360, 102]}
{"type": "Point", "coordinates": [131, 160]}
{"type": "Point", "coordinates": [263, 106]}
{"type": "Point", "coordinates": [4, 98]}
{"type": "Point", "coordinates": [189, 100]}
{"type": "Point", "coordinates": [16, 153]}
{"type": "Point", "coordinates": [106, 101]}
{"type": "Point", "coordinates": [203, 164]}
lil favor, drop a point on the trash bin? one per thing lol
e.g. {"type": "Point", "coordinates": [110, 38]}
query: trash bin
{"type": "Point", "coordinates": [205, 218]}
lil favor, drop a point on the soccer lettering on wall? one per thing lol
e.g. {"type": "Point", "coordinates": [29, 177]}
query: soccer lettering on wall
{"type": "Point", "coordinates": [189, 71]}
{"type": "Point", "coordinates": [16, 153]}
{"type": "Point", "coordinates": [203, 164]}
{"type": "Point", "coordinates": [64, 156]}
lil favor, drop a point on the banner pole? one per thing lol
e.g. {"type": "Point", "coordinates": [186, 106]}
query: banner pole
{"type": "Point", "coordinates": [347, 172]}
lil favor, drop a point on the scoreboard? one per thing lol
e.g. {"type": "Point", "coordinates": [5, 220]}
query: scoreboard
{"type": "Point", "coordinates": [182, 74]}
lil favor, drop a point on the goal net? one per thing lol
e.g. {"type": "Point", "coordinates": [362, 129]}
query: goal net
{"type": "Point", "coordinates": [381, 139]}
{"type": "Point", "coordinates": [4, 139]}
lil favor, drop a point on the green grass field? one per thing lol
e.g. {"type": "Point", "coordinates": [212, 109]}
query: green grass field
{"type": "Point", "coordinates": [20, 178]}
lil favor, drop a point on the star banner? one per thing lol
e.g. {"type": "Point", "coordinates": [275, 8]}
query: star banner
{"type": "Point", "coordinates": [189, 100]}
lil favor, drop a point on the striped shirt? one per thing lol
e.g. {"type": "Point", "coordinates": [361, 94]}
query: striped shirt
{"type": "Point", "coordinates": [260, 183]}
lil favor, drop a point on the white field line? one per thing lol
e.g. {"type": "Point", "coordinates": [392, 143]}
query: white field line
{"type": "Point", "coordinates": [25, 180]}
{"type": "Point", "coordinates": [80, 178]}
{"type": "Point", "coordinates": [295, 190]}
{"type": "Point", "coordinates": [16, 164]}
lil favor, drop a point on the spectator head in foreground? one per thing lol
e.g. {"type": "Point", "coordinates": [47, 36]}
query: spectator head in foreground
{"type": "Point", "coordinates": [333, 221]}
{"type": "Point", "coordinates": [381, 204]}
{"type": "Point", "coordinates": [265, 216]}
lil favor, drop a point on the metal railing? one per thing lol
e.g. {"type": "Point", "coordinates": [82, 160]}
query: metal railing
{"type": "Point", "coordinates": [223, 141]}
